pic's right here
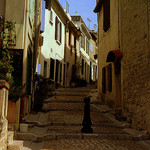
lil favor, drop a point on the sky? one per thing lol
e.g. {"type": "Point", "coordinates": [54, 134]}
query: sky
{"type": "Point", "coordinates": [84, 8]}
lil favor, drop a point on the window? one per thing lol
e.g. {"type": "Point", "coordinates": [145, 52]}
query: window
{"type": "Point", "coordinates": [83, 41]}
{"type": "Point", "coordinates": [107, 78]}
{"type": "Point", "coordinates": [58, 30]}
{"type": "Point", "coordinates": [60, 76]}
{"type": "Point", "coordinates": [69, 38]}
{"type": "Point", "coordinates": [51, 17]}
{"type": "Point", "coordinates": [45, 69]}
{"type": "Point", "coordinates": [91, 46]}
{"type": "Point", "coordinates": [87, 46]}
{"type": "Point", "coordinates": [82, 71]}
{"type": "Point", "coordinates": [106, 20]}
{"type": "Point", "coordinates": [52, 69]}
{"type": "Point", "coordinates": [104, 80]}
{"type": "Point", "coordinates": [75, 41]}
{"type": "Point", "coordinates": [31, 9]}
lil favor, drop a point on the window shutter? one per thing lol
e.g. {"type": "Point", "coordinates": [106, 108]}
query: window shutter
{"type": "Point", "coordinates": [104, 80]}
{"type": "Point", "coordinates": [60, 32]}
{"type": "Point", "coordinates": [69, 37]}
{"type": "Point", "coordinates": [109, 78]}
{"type": "Point", "coordinates": [106, 20]}
{"type": "Point", "coordinates": [56, 22]}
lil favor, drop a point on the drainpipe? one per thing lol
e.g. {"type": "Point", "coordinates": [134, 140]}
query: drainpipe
{"type": "Point", "coordinates": [24, 60]}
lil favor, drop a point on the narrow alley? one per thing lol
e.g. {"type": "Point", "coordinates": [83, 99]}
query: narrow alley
{"type": "Point", "coordinates": [58, 126]}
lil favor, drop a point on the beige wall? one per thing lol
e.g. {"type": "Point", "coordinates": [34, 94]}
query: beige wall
{"type": "Point", "coordinates": [136, 61]}
{"type": "Point", "coordinates": [2, 7]}
{"type": "Point", "coordinates": [107, 41]}
{"type": "Point", "coordinates": [15, 10]}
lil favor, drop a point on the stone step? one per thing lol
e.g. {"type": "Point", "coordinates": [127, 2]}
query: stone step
{"type": "Point", "coordinates": [55, 132]}
{"type": "Point", "coordinates": [57, 136]}
{"type": "Point", "coordinates": [64, 117]}
{"type": "Point", "coordinates": [47, 107]}
{"type": "Point", "coordinates": [82, 89]}
{"type": "Point", "coordinates": [70, 94]}
{"type": "Point", "coordinates": [10, 137]}
{"type": "Point", "coordinates": [62, 101]}
{"type": "Point", "coordinates": [66, 98]}
{"type": "Point", "coordinates": [16, 145]}
{"type": "Point", "coordinates": [29, 145]}
{"type": "Point", "coordinates": [63, 106]}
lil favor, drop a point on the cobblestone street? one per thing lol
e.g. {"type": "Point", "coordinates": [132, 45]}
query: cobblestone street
{"type": "Point", "coordinates": [59, 126]}
{"type": "Point", "coordinates": [93, 144]}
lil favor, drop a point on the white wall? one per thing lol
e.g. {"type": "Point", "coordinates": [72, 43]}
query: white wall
{"type": "Point", "coordinates": [50, 48]}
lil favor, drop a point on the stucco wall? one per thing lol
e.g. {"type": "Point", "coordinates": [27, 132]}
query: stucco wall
{"type": "Point", "coordinates": [107, 41]}
{"type": "Point", "coordinates": [15, 10]}
{"type": "Point", "coordinates": [2, 8]}
{"type": "Point", "coordinates": [136, 61]}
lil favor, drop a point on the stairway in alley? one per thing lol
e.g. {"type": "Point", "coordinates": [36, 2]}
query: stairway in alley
{"type": "Point", "coordinates": [61, 119]}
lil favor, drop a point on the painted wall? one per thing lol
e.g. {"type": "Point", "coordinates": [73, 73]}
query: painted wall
{"type": "Point", "coordinates": [15, 10]}
{"type": "Point", "coordinates": [2, 7]}
{"type": "Point", "coordinates": [50, 48]}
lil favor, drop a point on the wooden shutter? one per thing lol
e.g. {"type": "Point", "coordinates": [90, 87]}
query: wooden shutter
{"type": "Point", "coordinates": [56, 22]}
{"type": "Point", "coordinates": [106, 17]}
{"type": "Point", "coordinates": [104, 80]}
{"type": "Point", "coordinates": [109, 78]}
{"type": "Point", "coordinates": [60, 32]}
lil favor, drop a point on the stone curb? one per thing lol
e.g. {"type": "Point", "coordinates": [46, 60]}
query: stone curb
{"type": "Point", "coordinates": [62, 101]}
{"type": "Point", "coordinates": [57, 136]}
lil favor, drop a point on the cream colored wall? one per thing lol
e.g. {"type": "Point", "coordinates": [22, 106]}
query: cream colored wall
{"type": "Point", "coordinates": [15, 10]}
{"type": "Point", "coordinates": [94, 62]}
{"type": "Point", "coordinates": [2, 7]}
{"type": "Point", "coordinates": [107, 41]}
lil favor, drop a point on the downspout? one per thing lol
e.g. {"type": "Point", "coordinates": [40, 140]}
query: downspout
{"type": "Point", "coordinates": [24, 60]}
{"type": "Point", "coordinates": [120, 46]}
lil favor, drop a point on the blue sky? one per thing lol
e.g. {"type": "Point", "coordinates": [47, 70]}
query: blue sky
{"type": "Point", "coordinates": [84, 8]}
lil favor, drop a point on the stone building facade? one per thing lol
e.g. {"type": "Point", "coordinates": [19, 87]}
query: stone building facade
{"type": "Point", "coordinates": [84, 61]}
{"type": "Point", "coordinates": [93, 56]}
{"type": "Point", "coordinates": [124, 58]}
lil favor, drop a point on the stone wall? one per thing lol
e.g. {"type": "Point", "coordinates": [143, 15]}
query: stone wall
{"type": "Point", "coordinates": [3, 114]}
{"type": "Point", "coordinates": [136, 61]}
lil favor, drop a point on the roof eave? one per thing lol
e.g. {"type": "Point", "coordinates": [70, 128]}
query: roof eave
{"type": "Point", "coordinates": [98, 6]}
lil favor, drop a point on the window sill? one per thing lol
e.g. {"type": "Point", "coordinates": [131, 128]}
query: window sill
{"type": "Point", "coordinates": [58, 42]}
{"type": "Point", "coordinates": [104, 33]}
{"type": "Point", "coordinates": [51, 22]}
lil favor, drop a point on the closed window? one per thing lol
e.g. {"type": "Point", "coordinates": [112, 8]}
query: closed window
{"type": "Point", "coordinates": [69, 38]}
{"type": "Point", "coordinates": [104, 80]}
{"type": "Point", "coordinates": [107, 78]}
{"type": "Point", "coordinates": [51, 16]}
{"type": "Point", "coordinates": [45, 69]}
{"type": "Point", "coordinates": [83, 41]}
{"type": "Point", "coordinates": [82, 71]}
{"type": "Point", "coordinates": [91, 46]}
{"type": "Point", "coordinates": [106, 20]}
{"type": "Point", "coordinates": [87, 46]}
{"type": "Point", "coordinates": [52, 69]}
{"type": "Point", "coordinates": [58, 30]}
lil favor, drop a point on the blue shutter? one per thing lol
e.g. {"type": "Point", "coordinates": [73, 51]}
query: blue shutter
{"type": "Point", "coordinates": [42, 16]}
